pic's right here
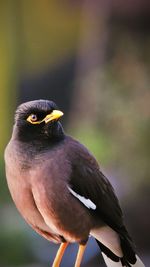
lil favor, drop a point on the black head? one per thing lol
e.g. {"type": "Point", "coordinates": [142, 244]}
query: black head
{"type": "Point", "coordinates": [38, 121]}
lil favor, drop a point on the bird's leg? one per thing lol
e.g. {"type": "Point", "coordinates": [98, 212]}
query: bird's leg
{"type": "Point", "coordinates": [80, 255]}
{"type": "Point", "coordinates": [59, 254]}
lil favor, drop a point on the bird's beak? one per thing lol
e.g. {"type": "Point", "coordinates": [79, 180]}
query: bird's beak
{"type": "Point", "coordinates": [54, 115]}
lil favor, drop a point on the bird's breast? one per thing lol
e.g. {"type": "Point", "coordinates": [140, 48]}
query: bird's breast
{"type": "Point", "coordinates": [41, 194]}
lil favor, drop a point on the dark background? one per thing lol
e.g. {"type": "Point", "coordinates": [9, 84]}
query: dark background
{"type": "Point", "coordinates": [93, 59]}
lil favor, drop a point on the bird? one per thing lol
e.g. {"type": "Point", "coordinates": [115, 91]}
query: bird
{"type": "Point", "coordinates": [60, 190]}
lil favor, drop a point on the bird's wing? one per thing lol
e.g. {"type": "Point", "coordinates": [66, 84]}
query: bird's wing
{"type": "Point", "coordinates": [93, 188]}
{"type": "Point", "coordinates": [89, 182]}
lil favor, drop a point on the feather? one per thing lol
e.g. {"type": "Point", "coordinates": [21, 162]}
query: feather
{"type": "Point", "coordinates": [109, 238]}
{"type": "Point", "coordinates": [87, 202]}
{"type": "Point", "coordinates": [121, 263]}
{"type": "Point", "coordinates": [114, 254]}
{"type": "Point", "coordinates": [110, 263]}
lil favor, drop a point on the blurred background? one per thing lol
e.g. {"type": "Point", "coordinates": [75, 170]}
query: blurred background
{"type": "Point", "coordinates": [93, 59]}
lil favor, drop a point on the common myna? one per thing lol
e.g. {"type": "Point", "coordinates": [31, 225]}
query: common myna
{"type": "Point", "coordinates": [58, 187]}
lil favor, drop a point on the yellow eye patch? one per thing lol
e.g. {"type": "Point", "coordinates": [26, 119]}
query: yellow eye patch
{"type": "Point", "coordinates": [54, 115]}
{"type": "Point", "coordinates": [34, 119]}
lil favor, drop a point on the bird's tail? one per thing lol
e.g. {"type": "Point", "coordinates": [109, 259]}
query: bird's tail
{"type": "Point", "coordinates": [112, 260]}
{"type": "Point", "coordinates": [121, 262]}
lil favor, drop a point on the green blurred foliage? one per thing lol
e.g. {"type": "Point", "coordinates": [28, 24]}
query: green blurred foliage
{"type": "Point", "coordinates": [49, 31]}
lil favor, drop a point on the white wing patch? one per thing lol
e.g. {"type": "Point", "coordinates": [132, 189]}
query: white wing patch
{"type": "Point", "coordinates": [87, 202]}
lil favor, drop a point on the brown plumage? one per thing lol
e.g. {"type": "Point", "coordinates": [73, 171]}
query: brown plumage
{"type": "Point", "coordinates": [59, 189]}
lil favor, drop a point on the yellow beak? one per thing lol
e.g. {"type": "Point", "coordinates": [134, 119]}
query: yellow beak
{"type": "Point", "coordinates": [54, 115]}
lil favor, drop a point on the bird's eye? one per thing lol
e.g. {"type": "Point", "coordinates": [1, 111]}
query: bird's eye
{"type": "Point", "coordinates": [33, 117]}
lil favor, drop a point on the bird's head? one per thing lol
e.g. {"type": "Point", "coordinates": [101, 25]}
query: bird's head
{"type": "Point", "coordinates": [38, 120]}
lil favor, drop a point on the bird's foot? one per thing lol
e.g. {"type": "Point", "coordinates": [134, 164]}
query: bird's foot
{"type": "Point", "coordinates": [59, 254]}
{"type": "Point", "coordinates": [80, 255]}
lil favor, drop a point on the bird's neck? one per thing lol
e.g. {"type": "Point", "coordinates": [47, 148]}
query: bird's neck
{"type": "Point", "coordinates": [26, 152]}
{"type": "Point", "coordinates": [49, 137]}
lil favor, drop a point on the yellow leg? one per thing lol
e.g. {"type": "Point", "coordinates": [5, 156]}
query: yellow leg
{"type": "Point", "coordinates": [59, 254]}
{"type": "Point", "coordinates": [80, 255]}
